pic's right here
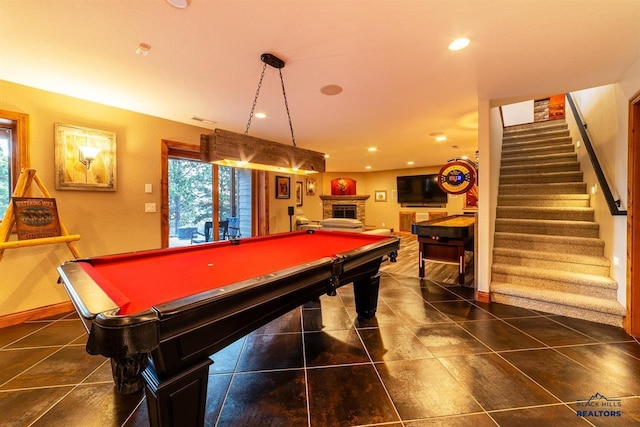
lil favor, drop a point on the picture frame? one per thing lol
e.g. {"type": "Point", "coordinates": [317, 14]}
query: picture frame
{"type": "Point", "coordinates": [311, 187]}
{"type": "Point", "coordinates": [85, 159]}
{"type": "Point", "coordinates": [299, 191]}
{"type": "Point", "coordinates": [283, 187]}
{"type": "Point", "coordinates": [380, 195]}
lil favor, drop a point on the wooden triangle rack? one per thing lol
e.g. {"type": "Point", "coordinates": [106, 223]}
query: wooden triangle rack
{"type": "Point", "coordinates": [25, 180]}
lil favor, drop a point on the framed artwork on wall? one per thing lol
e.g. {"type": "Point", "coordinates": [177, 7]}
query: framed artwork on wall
{"type": "Point", "coordinates": [299, 191]}
{"type": "Point", "coordinates": [380, 195]}
{"type": "Point", "coordinates": [311, 187]}
{"type": "Point", "coordinates": [283, 187]}
{"type": "Point", "coordinates": [85, 159]}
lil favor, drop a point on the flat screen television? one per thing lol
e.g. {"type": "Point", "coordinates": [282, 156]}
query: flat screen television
{"type": "Point", "coordinates": [420, 190]}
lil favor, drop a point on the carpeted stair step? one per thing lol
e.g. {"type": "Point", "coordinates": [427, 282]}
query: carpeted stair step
{"type": "Point", "coordinates": [541, 158]}
{"type": "Point", "coordinates": [541, 127]}
{"type": "Point", "coordinates": [539, 142]}
{"type": "Point", "coordinates": [539, 189]}
{"type": "Point", "coordinates": [576, 200]}
{"type": "Point", "coordinates": [560, 261]}
{"type": "Point", "coordinates": [548, 227]}
{"type": "Point", "coordinates": [544, 212]}
{"type": "Point", "coordinates": [564, 281]}
{"type": "Point", "coordinates": [540, 178]}
{"type": "Point", "coordinates": [536, 151]}
{"type": "Point", "coordinates": [540, 168]}
{"type": "Point", "coordinates": [547, 252]}
{"type": "Point", "coordinates": [585, 307]}
{"type": "Point", "coordinates": [555, 133]}
{"type": "Point", "coordinates": [557, 244]}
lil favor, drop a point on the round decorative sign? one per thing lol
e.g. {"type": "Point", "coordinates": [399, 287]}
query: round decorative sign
{"type": "Point", "coordinates": [456, 177]}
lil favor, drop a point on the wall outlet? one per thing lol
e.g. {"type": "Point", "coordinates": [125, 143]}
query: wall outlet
{"type": "Point", "coordinates": [149, 207]}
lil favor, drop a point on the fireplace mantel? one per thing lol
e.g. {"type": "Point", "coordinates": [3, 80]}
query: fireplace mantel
{"type": "Point", "coordinates": [345, 198]}
{"type": "Point", "coordinates": [359, 200]}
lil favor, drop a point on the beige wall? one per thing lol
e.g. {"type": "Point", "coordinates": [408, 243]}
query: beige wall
{"type": "Point", "coordinates": [108, 222]}
{"type": "Point", "coordinates": [278, 213]}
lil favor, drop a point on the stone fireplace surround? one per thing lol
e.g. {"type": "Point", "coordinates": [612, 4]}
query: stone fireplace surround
{"type": "Point", "coordinates": [358, 200]}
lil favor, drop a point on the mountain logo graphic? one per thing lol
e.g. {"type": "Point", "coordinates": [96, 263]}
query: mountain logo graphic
{"type": "Point", "coordinates": [598, 405]}
{"type": "Point", "coordinates": [597, 397]}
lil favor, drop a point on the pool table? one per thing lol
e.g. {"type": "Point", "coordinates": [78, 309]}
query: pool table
{"type": "Point", "coordinates": [160, 314]}
{"type": "Point", "coordinates": [444, 240]}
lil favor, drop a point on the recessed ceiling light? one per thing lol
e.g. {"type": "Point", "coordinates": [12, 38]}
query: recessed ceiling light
{"type": "Point", "coordinates": [410, 163]}
{"type": "Point", "coordinates": [367, 167]}
{"type": "Point", "coordinates": [459, 44]}
{"type": "Point", "coordinates": [180, 4]}
{"type": "Point", "coordinates": [331, 90]}
{"type": "Point", "coordinates": [441, 138]}
{"type": "Point", "coordinates": [260, 115]}
{"type": "Point", "coordinates": [372, 149]}
{"type": "Point", "coordinates": [143, 49]}
{"type": "Point", "coordinates": [326, 156]}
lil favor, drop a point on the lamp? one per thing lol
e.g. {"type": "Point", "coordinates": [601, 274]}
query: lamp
{"type": "Point", "coordinates": [86, 155]}
{"type": "Point", "coordinates": [228, 148]}
{"type": "Point", "coordinates": [241, 150]}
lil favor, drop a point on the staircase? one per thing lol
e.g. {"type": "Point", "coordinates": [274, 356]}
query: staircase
{"type": "Point", "coordinates": [547, 252]}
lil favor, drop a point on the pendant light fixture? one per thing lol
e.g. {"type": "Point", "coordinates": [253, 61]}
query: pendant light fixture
{"type": "Point", "coordinates": [241, 150]}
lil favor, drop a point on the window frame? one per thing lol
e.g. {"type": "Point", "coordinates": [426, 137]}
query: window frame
{"type": "Point", "coordinates": [20, 150]}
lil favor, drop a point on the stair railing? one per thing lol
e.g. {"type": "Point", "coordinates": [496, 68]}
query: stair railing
{"type": "Point", "coordinates": [612, 202]}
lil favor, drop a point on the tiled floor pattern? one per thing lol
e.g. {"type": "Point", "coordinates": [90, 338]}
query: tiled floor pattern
{"type": "Point", "coordinates": [432, 357]}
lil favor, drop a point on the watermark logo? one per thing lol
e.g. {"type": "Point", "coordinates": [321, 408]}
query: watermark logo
{"type": "Point", "coordinates": [599, 406]}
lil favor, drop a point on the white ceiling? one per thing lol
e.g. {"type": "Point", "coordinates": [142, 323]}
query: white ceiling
{"type": "Point", "coordinates": [400, 81]}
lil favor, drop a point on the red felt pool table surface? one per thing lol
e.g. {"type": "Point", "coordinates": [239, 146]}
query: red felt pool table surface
{"type": "Point", "coordinates": [141, 280]}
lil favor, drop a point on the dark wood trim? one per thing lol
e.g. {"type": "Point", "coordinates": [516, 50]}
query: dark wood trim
{"type": "Point", "coordinates": [35, 314]}
{"type": "Point", "coordinates": [632, 321]}
{"type": "Point", "coordinates": [169, 148]}
{"type": "Point", "coordinates": [260, 202]}
{"type": "Point", "coordinates": [483, 296]}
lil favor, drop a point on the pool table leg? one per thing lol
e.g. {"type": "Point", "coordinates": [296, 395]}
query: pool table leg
{"type": "Point", "coordinates": [180, 400]}
{"type": "Point", "coordinates": [365, 292]}
{"type": "Point", "coordinates": [127, 373]}
{"type": "Point", "coordinates": [421, 260]}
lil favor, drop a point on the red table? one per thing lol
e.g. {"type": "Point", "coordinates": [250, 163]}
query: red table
{"type": "Point", "coordinates": [159, 314]}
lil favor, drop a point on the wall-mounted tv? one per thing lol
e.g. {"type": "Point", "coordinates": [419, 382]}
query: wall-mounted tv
{"type": "Point", "coordinates": [420, 190]}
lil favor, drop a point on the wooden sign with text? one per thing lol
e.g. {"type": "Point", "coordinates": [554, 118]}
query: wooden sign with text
{"type": "Point", "coordinates": [36, 218]}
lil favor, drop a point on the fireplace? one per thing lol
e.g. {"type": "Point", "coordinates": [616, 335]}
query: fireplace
{"type": "Point", "coordinates": [344, 211]}
{"type": "Point", "coordinates": [344, 207]}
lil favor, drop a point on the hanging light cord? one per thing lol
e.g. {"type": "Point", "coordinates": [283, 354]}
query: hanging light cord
{"type": "Point", "coordinates": [255, 99]}
{"type": "Point", "coordinates": [286, 103]}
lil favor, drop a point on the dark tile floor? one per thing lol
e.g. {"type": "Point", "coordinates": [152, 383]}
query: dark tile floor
{"type": "Point", "coordinates": [432, 357]}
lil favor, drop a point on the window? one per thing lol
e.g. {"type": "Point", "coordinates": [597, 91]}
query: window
{"type": "Point", "coordinates": [191, 201]}
{"type": "Point", "coordinates": [14, 153]}
{"type": "Point", "coordinates": [199, 199]}
{"type": "Point", "coordinates": [5, 169]}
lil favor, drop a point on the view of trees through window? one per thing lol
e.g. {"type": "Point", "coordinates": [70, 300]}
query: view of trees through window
{"type": "Point", "coordinates": [5, 170]}
{"type": "Point", "coordinates": [190, 195]}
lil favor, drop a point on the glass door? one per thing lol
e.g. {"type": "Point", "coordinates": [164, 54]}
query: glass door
{"type": "Point", "coordinates": [207, 202]}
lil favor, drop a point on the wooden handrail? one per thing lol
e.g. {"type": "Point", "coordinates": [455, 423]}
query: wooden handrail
{"type": "Point", "coordinates": [614, 205]}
